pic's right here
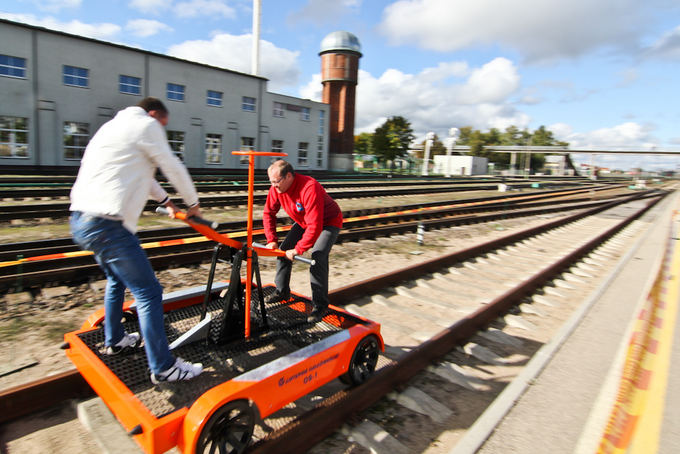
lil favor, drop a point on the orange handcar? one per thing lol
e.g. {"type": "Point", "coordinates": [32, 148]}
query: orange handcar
{"type": "Point", "coordinates": [257, 357]}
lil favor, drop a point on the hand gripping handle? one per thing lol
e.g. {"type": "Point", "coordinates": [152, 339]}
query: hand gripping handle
{"type": "Point", "coordinates": [299, 258]}
{"type": "Point", "coordinates": [195, 219]}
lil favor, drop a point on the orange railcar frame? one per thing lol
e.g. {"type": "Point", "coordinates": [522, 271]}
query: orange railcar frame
{"type": "Point", "coordinates": [268, 387]}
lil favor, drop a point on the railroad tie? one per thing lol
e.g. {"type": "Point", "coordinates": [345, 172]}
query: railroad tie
{"type": "Point", "coordinates": [374, 438]}
{"type": "Point", "coordinates": [518, 322]}
{"type": "Point", "coordinates": [420, 402]}
{"type": "Point", "coordinates": [483, 354]}
{"type": "Point", "coordinates": [529, 309]}
{"type": "Point", "coordinates": [540, 299]}
{"type": "Point", "coordinates": [501, 337]}
{"type": "Point", "coordinates": [459, 376]}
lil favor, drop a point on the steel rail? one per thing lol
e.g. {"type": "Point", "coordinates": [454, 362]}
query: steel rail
{"type": "Point", "coordinates": [78, 269]}
{"type": "Point", "coordinates": [330, 414]}
{"type": "Point", "coordinates": [9, 191]}
{"type": "Point", "coordinates": [61, 209]}
{"type": "Point", "coordinates": [326, 417]}
{"type": "Point", "coordinates": [10, 251]}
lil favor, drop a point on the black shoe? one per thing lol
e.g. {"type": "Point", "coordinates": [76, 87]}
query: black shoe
{"type": "Point", "coordinates": [276, 297]}
{"type": "Point", "coordinates": [317, 314]}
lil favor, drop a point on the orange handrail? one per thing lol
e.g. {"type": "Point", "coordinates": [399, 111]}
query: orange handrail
{"type": "Point", "coordinates": [249, 239]}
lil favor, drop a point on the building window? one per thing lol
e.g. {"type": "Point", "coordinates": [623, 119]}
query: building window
{"type": "Point", "coordinates": [302, 153]}
{"type": "Point", "coordinates": [319, 151]}
{"type": "Point", "coordinates": [305, 114]}
{"type": "Point", "coordinates": [12, 66]}
{"type": "Point", "coordinates": [277, 147]}
{"type": "Point", "coordinates": [213, 148]}
{"type": "Point", "coordinates": [247, 144]}
{"type": "Point", "coordinates": [175, 92]}
{"type": "Point", "coordinates": [248, 104]}
{"type": "Point", "coordinates": [214, 98]}
{"type": "Point", "coordinates": [130, 85]}
{"type": "Point", "coordinates": [322, 122]}
{"type": "Point", "coordinates": [176, 142]}
{"type": "Point", "coordinates": [13, 137]}
{"type": "Point", "coordinates": [76, 136]}
{"type": "Point", "coordinates": [76, 77]}
{"type": "Point", "coordinates": [278, 109]}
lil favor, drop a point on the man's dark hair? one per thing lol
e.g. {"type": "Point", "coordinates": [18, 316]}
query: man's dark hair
{"type": "Point", "coordinates": [284, 167]}
{"type": "Point", "coordinates": [150, 103]}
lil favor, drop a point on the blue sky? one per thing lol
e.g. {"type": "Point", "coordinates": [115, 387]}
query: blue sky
{"type": "Point", "coordinates": [598, 73]}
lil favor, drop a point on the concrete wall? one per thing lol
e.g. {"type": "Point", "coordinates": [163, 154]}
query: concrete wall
{"type": "Point", "coordinates": [47, 102]}
{"type": "Point", "coordinates": [460, 165]}
{"type": "Point", "coordinates": [293, 129]}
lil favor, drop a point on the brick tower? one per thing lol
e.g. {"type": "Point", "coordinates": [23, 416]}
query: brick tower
{"type": "Point", "coordinates": [340, 53]}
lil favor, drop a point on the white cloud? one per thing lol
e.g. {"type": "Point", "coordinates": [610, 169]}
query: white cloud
{"type": "Point", "coordinates": [436, 99]}
{"type": "Point", "coordinates": [150, 6]}
{"type": "Point", "coordinates": [668, 46]}
{"type": "Point", "coordinates": [56, 5]}
{"type": "Point", "coordinates": [492, 83]}
{"type": "Point", "coordinates": [629, 134]}
{"type": "Point", "coordinates": [146, 27]}
{"type": "Point", "coordinates": [233, 52]}
{"type": "Point", "coordinates": [196, 8]}
{"type": "Point", "coordinates": [538, 29]}
{"type": "Point", "coordinates": [325, 10]}
{"type": "Point", "coordinates": [104, 31]}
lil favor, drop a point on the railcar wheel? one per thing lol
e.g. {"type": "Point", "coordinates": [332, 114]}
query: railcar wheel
{"type": "Point", "coordinates": [229, 429]}
{"type": "Point", "coordinates": [363, 362]}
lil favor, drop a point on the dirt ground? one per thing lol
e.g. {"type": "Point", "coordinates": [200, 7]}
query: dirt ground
{"type": "Point", "coordinates": [32, 329]}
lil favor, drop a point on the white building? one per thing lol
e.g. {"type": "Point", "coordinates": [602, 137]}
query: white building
{"type": "Point", "coordinates": [57, 89]}
{"type": "Point", "coordinates": [460, 165]}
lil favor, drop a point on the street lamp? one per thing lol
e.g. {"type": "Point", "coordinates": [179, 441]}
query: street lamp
{"type": "Point", "coordinates": [450, 142]}
{"type": "Point", "coordinates": [429, 138]}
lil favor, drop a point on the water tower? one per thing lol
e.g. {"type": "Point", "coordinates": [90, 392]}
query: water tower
{"type": "Point", "coordinates": [340, 53]}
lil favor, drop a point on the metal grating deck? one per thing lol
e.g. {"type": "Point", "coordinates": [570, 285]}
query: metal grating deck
{"type": "Point", "coordinates": [289, 331]}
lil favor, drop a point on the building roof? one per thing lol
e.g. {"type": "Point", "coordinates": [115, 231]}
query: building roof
{"type": "Point", "coordinates": [121, 46]}
{"type": "Point", "coordinates": [340, 41]}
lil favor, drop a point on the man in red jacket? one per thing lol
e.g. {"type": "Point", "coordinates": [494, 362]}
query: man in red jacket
{"type": "Point", "coordinates": [318, 220]}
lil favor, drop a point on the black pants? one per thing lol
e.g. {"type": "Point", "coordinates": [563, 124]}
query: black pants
{"type": "Point", "coordinates": [318, 273]}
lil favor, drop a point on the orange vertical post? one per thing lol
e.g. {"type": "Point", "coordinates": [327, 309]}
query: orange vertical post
{"type": "Point", "coordinates": [249, 238]}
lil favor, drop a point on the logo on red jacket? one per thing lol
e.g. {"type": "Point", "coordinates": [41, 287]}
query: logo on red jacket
{"type": "Point", "coordinates": [299, 207]}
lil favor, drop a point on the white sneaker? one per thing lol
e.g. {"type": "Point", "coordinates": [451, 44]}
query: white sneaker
{"type": "Point", "coordinates": [127, 343]}
{"type": "Point", "coordinates": [181, 370]}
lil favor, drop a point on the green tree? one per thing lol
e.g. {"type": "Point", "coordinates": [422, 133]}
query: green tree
{"type": "Point", "coordinates": [363, 143]}
{"type": "Point", "coordinates": [512, 136]}
{"type": "Point", "coordinates": [437, 148]}
{"type": "Point", "coordinates": [473, 138]}
{"type": "Point", "coordinates": [392, 138]}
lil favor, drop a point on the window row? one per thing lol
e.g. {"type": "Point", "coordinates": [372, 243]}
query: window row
{"type": "Point", "coordinates": [74, 76]}
{"type": "Point", "coordinates": [76, 135]}
{"type": "Point", "coordinates": [280, 108]}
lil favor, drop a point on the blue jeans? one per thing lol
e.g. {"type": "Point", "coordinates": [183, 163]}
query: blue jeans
{"type": "Point", "coordinates": [318, 273]}
{"type": "Point", "coordinates": [120, 256]}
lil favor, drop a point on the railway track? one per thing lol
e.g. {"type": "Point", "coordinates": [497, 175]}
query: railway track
{"type": "Point", "coordinates": [18, 191]}
{"type": "Point", "coordinates": [166, 248]}
{"type": "Point", "coordinates": [57, 210]}
{"type": "Point", "coordinates": [437, 309]}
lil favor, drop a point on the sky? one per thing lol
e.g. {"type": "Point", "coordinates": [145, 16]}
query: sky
{"type": "Point", "coordinates": [597, 73]}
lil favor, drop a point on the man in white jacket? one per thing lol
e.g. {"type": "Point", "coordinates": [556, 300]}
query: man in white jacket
{"type": "Point", "coordinates": [115, 180]}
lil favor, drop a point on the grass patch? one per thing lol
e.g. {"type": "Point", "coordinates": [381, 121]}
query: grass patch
{"type": "Point", "coordinates": [11, 329]}
{"type": "Point", "coordinates": [55, 331]}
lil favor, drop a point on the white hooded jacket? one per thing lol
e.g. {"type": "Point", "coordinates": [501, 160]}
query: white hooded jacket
{"type": "Point", "coordinates": [116, 175]}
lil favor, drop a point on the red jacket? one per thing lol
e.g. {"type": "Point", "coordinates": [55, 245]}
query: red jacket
{"type": "Point", "coordinates": [308, 204]}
